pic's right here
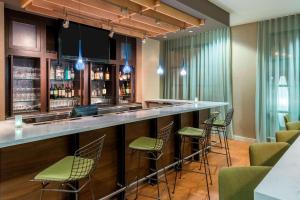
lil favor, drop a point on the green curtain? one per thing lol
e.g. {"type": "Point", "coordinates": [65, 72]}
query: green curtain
{"type": "Point", "coordinates": [278, 74]}
{"type": "Point", "coordinates": [207, 59]}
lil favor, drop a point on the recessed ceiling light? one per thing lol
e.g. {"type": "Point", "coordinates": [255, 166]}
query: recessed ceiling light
{"type": "Point", "coordinates": [190, 31]}
{"type": "Point", "coordinates": [165, 36]}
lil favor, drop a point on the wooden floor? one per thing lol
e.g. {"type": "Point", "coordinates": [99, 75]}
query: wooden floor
{"type": "Point", "coordinates": [192, 185]}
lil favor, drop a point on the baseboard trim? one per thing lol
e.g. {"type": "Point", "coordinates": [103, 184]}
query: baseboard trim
{"type": "Point", "coordinates": [242, 138]}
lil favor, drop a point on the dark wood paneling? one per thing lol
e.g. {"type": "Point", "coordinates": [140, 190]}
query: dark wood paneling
{"type": "Point", "coordinates": [19, 164]}
{"type": "Point", "coordinates": [133, 131]}
{"type": "Point", "coordinates": [169, 153]}
{"type": "Point", "coordinates": [105, 176]}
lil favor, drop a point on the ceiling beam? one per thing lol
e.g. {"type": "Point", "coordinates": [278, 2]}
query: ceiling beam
{"type": "Point", "coordinates": [169, 11]}
{"type": "Point", "coordinates": [87, 21]}
{"type": "Point", "coordinates": [141, 12]}
{"type": "Point", "coordinates": [148, 29]}
{"type": "Point", "coordinates": [25, 3]}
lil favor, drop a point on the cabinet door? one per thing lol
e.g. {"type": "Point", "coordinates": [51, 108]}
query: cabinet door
{"type": "Point", "coordinates": [24, 35]}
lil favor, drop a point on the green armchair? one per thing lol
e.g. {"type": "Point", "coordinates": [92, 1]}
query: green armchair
{"type": "Point", "coordinates": [287, 136]}
{"type": "Point", "coordinates": [267, 154]}
{"type": "Point", "coordinates": [289, 125]}
{"type": "Point", "coordinates": [238, 183]}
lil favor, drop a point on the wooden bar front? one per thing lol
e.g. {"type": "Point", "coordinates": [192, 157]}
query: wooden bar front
{"type": "Point", "coordinates": [118, 165]}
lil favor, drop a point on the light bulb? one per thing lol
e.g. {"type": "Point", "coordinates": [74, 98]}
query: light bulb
{"type": "Point", "coordinates": [160, 70]}
{"type": "Point", "coordinates": [127, 68]}
{"type": "Point", "coordinates": [183, 72]}
{"type": "Point", "coordinates": [79, 64]}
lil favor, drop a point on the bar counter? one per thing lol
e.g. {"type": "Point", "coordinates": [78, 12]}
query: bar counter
{"type": "Point", "coordinates": [26, 151]}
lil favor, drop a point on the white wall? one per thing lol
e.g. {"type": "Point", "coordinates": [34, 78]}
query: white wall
{"type": "Point", "coordinates": [2, 63]}
{"type": "Point", "coordinates": [150, 62]}
{"type": "Point", "coordinates": [244, 51]}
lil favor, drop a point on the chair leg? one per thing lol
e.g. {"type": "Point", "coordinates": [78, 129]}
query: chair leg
{"type": "Point", "coordinates": [41, 194]}
{"type": "Point", "coordinates": [157, 184]}
{"type": "Point", "coordinates": [137, 177]}
{"type": "Point", "coordinates": [227, 149]}
{"type": "Point", "coordinates": [167, 183]}
{"type": "Point", "coordinates": [76, 195]}
{"type": "Point", "coordinates": [178, 165]}
{"type": "Point", "coordinates": [181, 156]}
{"type": "Point", "coordinates": [206, 178]}
{"type": "Point", "coordinates": [220, 139]}
{"type": "Point", "coordinates": [91, 189]}
{"type": "Point", "coordinates": [206, 158]}
{"type": "Point", "coordinates": [229, 156]}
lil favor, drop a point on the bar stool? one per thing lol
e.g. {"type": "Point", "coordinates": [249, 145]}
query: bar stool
{"type": "Point", "coordinates": [200, 137]}
{"type": "Point", "coordinates": [221, 127]}
{"type": "Point", "coordinates": [154, 149]}
{"type": "Point", "coordinates": [70, 169]}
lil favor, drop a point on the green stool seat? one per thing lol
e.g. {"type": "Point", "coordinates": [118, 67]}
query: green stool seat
{"type": "Point", "coordinates": [287, 136]}
{"type": "Point", "coordinates": [192, 132]}
{"type": "Point", "coordinates": [61, 170]}
{"type": "Point", "coordinates": [146, 144]}
{"type": "Point", "coordinates": [238, 183]}
{"type": "Point", "coordinates": [267, 154]}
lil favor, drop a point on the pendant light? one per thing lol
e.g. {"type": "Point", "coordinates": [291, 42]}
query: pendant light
{"type": "Point", "coordinates": [160, 70]}
{"type": "Point", "coordinates": [126, 68]}
{"type": "Point", "coordinates": [183, 70]}
{"type": "Point", "coordinates": [79, 63]}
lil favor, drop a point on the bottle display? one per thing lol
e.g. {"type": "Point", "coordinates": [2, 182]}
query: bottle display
{"type": "Point", "coordinates": [125, 89]}
{"type": "Point", "coordinates": [101, 85]}
{"type": "Point", "coordinates": [62, 86]}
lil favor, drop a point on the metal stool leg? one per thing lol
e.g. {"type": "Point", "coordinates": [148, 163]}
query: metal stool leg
{"type": "Point", "coordinates": [91, 189]}
{"type": "Point", "coordinates": [167, 183]}
{"type": "Point", "coordinates": [181, 156]}
{"type": "Point", "coordinates": [157, 184]}
{"type": "Point", "coordinates": [220, 139]}
{"type": "Point", "coordinates": [207, 162]}
{"type": "Point", "coordinates": [228, 152]}
{"type": "Point", "coordinates": [76, 196]}
{"type": "Point", "coordinates": [206, 178]}
{"type": "Point", "coordinates": [178, 165]}
{"type": "Point", "coordinates": [137, 177]}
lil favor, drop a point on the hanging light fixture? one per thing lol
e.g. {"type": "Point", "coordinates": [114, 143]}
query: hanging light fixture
{"type": "Point", "coordinates": [79, 63]}
{"type": "Point", "coordinates": [126, 68]}
{"type": "Point", "coordinates": [183, 70]}
{"type": "Point", "coordinates": [160, 70]}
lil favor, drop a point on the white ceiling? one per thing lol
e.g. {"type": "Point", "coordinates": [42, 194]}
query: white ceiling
{"type": "Point", "coordinates": [247, 11]}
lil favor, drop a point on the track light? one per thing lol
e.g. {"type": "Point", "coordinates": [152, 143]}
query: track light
{"type": "Point", "coordinates": [111, 34]}
{"type": "Point", "coordinates": [66, 24]}
{"type": "Point", "coordinates": [144, 39]}
{"type": "Point", "coordinates": [157, 21]}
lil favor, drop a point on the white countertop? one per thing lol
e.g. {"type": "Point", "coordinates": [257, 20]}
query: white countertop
{"type": "Point", "coordinates": [10, 136]}
{"type": "Point", "coordinates": [283, 181]}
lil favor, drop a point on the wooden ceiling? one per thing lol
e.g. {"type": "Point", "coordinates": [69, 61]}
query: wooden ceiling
{"type": "Point", "coordinates": [137, 18]}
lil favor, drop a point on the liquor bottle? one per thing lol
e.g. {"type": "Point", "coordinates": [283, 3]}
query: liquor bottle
{"type": "Point", "coordinates": [55, 92]}
{"type": "Point", "coordinates": [101, 74]}
{"type": "Point", "coordinates": [72, 92]}
{"type": "Point", "coordinates": [66, 91]}
{"type": "Point", "coordinates": [123, 90]}
{"type": "Point", "coordinates": [66, 73]}
{"type": "Point", "coordinates": [59, 91]}
{"type": "Point", "coordinates": [72, 74]}
{"type": "Point", "coordinates": [128, 76]}
{"type": "Point", "coordinates": [52, 73]}
{"type": "Point", "coordinates": [51, 92]}
{"type": "Point", "coordinates": [107, 75]}
{"type": "Point", "coordinates": [104, 90]}
{"type": "Point", "coordinates": [127, 90]}
{"type": "Point", "coordinates": [120, 76]}
{"type": "Point", "coordinates": [97, 74]}
{"type": "Point", "coordinates": [69, 92]}
{"type": "Point", "coordinates": [92, 74]}
{"type": "Point", "coordinates": [57, 72]}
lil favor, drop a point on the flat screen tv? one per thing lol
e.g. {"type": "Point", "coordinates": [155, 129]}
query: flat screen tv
{"type": "Point", "coordinates": [94, 42]}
